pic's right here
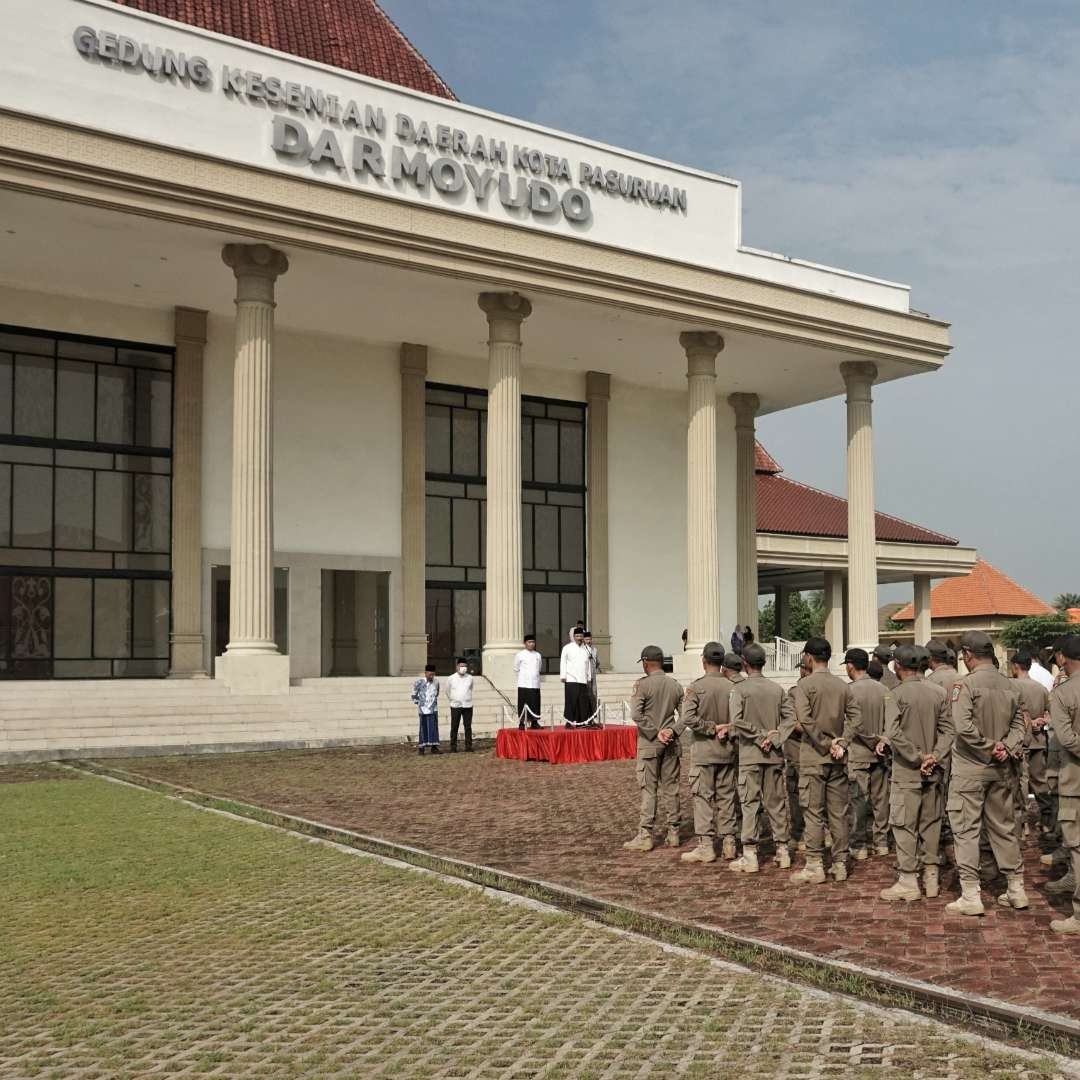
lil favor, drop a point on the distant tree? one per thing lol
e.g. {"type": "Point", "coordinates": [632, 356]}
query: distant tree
{"type": "Point", "coordinates": [894, 627]}
{"type": "Point", "coordinates": [767, 622]}
{"type": "Point", "coordinates": [807, 617]}
{"type": "Point", "coordinates": [1067, 600]}
{"type": "Point", "coordinates": [1036, 631]}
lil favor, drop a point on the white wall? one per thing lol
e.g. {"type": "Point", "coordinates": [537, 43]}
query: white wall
{"type": "Point", "coordinates": [647, 519]}
{"type": "Point", "coordinates": [337, 444]}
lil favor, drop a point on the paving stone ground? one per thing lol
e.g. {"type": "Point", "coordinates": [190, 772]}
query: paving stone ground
{"type": "Point", "coordinates": [565, 824]}
{"type": "Point", "coordinates": [142, 937]}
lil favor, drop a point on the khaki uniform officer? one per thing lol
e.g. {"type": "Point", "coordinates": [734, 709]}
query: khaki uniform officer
{"type": "Point", "coordinates": [1036, 703]}
{"type": "Point", "coordinates": [989, 721]}
{"type": "Point", "coordinates": [883, 654]}
{"type": "Point", "coordinates": [792, 752]}
{"type": "Point", "coordinates": [1065, 719]}
{"type": "Point", "coordinates": [868, 769]}
{"type": "Point", "coordinates": [762, 717]}
{"type": "Point", "coordinates": [942, 672]}
{"type": "Point", "coordinates": [713, 754]}
{"type": "Point", "coordinates": [918, 727]}
{"type": "Point", "coordinates": [654, 701]}
{"type": "Point", "coordinates": [828, 715]}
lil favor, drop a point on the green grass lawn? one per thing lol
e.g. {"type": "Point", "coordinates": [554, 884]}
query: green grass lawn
{"type": "Point", "coordinates": [142, 937]}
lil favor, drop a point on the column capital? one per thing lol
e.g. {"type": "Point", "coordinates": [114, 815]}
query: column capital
{"type": "Point", "coordinates": [189, 326]}
{"type": "Point", "coordinates": [597, 385]}
{"type": "Point", "coordinates": [413, 359]}
{"type": "Point", "coordinates": [257, 267]}
{"type": "Point", "coordinates": [855, 372]}
{"type": "Point", "coordinates": [702, 348]}
{"type": "Point", "coordinates": [504, 306]}
{"type": "Point", "coordinates": [746, 408]}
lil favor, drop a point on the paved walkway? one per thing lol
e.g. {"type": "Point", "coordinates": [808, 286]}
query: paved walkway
{"type": "Point", "coordinates": [565, 824]}
{"type": "Point", "coordinates": [144, 938]}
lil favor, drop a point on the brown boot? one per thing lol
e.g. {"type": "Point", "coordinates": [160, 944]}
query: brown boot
{"type": "Point", "coordinates": [728, 850]}
{"type": "Point", "coordinates": [783, 857]}
{"type": "Point", "coordinates": [881, 850]}
{"type": "Point", "coordinates": [1066, 884]}
{"type": "Point", "coordinates": [748, 864]}
{"type": "Point", "coordinates": [839, 870]}
{"type": "Point", "coordinates": [672, 838]}
{"type": "Point", "coordinates": [1071, 925]}
{"type": "Point", "coordinates": [1015, 897]}
{"type": "Point", "coordinates": [970, 902]}
{"type": "Point", "coordinates": [906, 889]}
{"type": "Point", "coordinates": [644, 841]}
{"type": "Point", "coordinates": [813, 873]}
{"type": "Point", "coordinates": [705, 852]}
{"type": "Point", "coordinates": [860, 854]}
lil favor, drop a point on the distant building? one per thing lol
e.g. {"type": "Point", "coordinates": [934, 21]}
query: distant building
{"type": "Point", "coordinates": [986, 599]}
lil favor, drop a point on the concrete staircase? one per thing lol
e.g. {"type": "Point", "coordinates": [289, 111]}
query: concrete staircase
{"type": "Point", "coordinates": [59, 719]}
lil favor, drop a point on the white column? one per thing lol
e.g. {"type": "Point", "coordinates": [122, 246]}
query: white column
{"type": "Point", "coordinates": [923, 623]}
{"type": "Point", "coordinates": [414, 362]}
{"type": "Point", "coordinates": [597, 395]}
{"type": "Point", "coordinates": [834, 610]}
{"type": "Point", "coordinates": [503, 589]}
{"type": "Point", "coordinates": [746, 576]}
{"type": "Point", "coordinates": [702, 534]}
{"type": "Point", "coordinates": [186, 639]}
{"type": "Point", "coordinates": [862, 542]}
{"type": "Point", "coordinates": [252, 662]}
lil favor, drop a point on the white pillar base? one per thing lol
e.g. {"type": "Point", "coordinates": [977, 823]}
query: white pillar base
{"type": "Point", "coordinates": [499, 667]}
{"type": "Point", "coordinates": [687, 665]}
{"type": "Point", "coordinates": [254, 673]}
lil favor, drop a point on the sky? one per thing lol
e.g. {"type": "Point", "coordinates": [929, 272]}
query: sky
{"type": "Point", "coordinates": [928, 143]}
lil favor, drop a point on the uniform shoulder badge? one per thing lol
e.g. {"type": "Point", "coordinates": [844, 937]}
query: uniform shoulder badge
{"type": "Point", "coordinates": [956, 691]}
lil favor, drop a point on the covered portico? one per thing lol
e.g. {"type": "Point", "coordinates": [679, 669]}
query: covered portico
{"type": "Point", "coordinates": [311, 309]}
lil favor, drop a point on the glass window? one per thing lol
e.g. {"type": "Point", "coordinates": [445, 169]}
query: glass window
{"type": "Point", "coordinates": [549, 627]}
{"type": "Point", "coordinates": [572, 538]}
{"type": "Point", "coordinates": [115, 405]}
{"type": "Point", "coordinates": [150, 618]}
{"type": "Point", "coordinates": [73, 618]}
{"type": "Point", "coordinates": [546, 537]}
{"type": "Point", "coordinates": [27, 343]}
{"type": "Point", "coordinates": [112, 506]}
{"type": "Point", "coordinates": [112, 617]}
{"type": "Point", "coordinates": [545, 451]}
{"type": "Point", "coordinates": [32, 518]}
{"type": "Point", "coordinates": [6, 370]}
{"type": "Point", "coordinates": [466, 525]}
{"type": "Point", "coordinates": [466, 443]}
{"type": "Point", "coordinates": [26, 455]}
{"type": "Point", "coordinates": [74, 509]}
{"type": "Point", "coordinates": [75, 401]}
{"type": "Point", "coordinates": [571, 454]}
{"type": "Point", "coordinates": [526, 448]}
{"type": "Point", "coordinates": [34, 396]}
{"type": "Point", "coordinates": [153, 412]}
{"type": "Point", "coordinates": [438, 531]}
{"type": "Point", "coordinates": [437, 439]}
{"type": "Point", "coordinates": [5, 506]}
{"type": "Point", "coordinates": [147, 358]}
{"type": "Point", "coordinates": [526, 537]}
{"type": "Point", "coordinates": [467, 634]}
{"type": "Point", "coordinates": [84, 350]}
{"type": "Point", "coordinates": [152, 512]}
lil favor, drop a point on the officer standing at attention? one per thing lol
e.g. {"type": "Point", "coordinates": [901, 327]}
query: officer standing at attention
{"type": "Point", "coordinates": [1065, 720]}
{"type": "Point", "coordinates": [989, 720]}
{"type": "Point", "coordinates": [883, 654]}
{"type": "Point", "coordinates": [1036, 703]}
{"type": "Point", "coordinates": [792, 751]}
{"type": "Point", "coordinates": [733, 667]}
{"type": "Point", "coordinates": [656, 697]}
{"type": "Point", "coordinates": [868, 769]}
{"type": "Point", "coordinates": [713, 756]}
{"type": "Point", "coordinates": [918, 727]}
{"type": "Point", "coordinates": [942, 671]}
{"type": "Point", "coordinates": [828, 715]}
{"type": "Point", "coordinates": [762, 717]}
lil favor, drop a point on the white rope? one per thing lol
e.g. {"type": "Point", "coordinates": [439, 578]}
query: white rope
{"type": "Point", "coordinates": [526, 711]}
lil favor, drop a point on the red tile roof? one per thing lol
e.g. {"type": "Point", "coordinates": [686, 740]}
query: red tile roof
{"type": "Point", "coordinates": [356, 35]}
{"type": "Point", "coordinates": [786, 506]}
{"type": "Point", "coordinates": [985, 591]}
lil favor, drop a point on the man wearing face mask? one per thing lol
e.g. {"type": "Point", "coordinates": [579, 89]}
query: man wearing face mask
{"type": "Point", "coordinates": [459, 689]}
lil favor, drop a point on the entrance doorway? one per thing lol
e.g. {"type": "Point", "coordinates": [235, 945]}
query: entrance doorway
{"type": "Point", "coordinates": [355, 623]}
{"type": "Point", "coordinates": [219, 609]}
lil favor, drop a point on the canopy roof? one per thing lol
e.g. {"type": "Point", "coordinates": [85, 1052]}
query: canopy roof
{"type": "Point", "coordinates": [786, 506]}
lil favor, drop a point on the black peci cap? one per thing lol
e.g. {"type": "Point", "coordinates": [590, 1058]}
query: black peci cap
{"type": "Point", "coordinates": [883, 653]}
{"type": "Point", "coordinates": [859, 657]}
{"type": "Point", "coordinates": [938, 650]}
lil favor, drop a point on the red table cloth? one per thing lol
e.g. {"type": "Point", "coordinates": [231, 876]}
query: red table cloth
{"type": "Point", "coordinates": [566, 746]}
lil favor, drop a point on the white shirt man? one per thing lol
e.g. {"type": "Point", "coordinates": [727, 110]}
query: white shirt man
{"type": "Point", "coordinates": [575, 671]}
{"type": "Point", "coordinates": [527, 667]}
{"type": "Point", "coordinates": [459, 688]}
{"type": "Point", "coordinates": [1041, 675]}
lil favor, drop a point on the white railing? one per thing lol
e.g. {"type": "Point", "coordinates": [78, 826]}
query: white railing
{"type": "Point", "coordinates": [787, 654]}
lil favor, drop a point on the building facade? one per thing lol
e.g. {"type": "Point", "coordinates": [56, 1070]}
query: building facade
{"type": "Point", "coordinates": [307, 374]}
